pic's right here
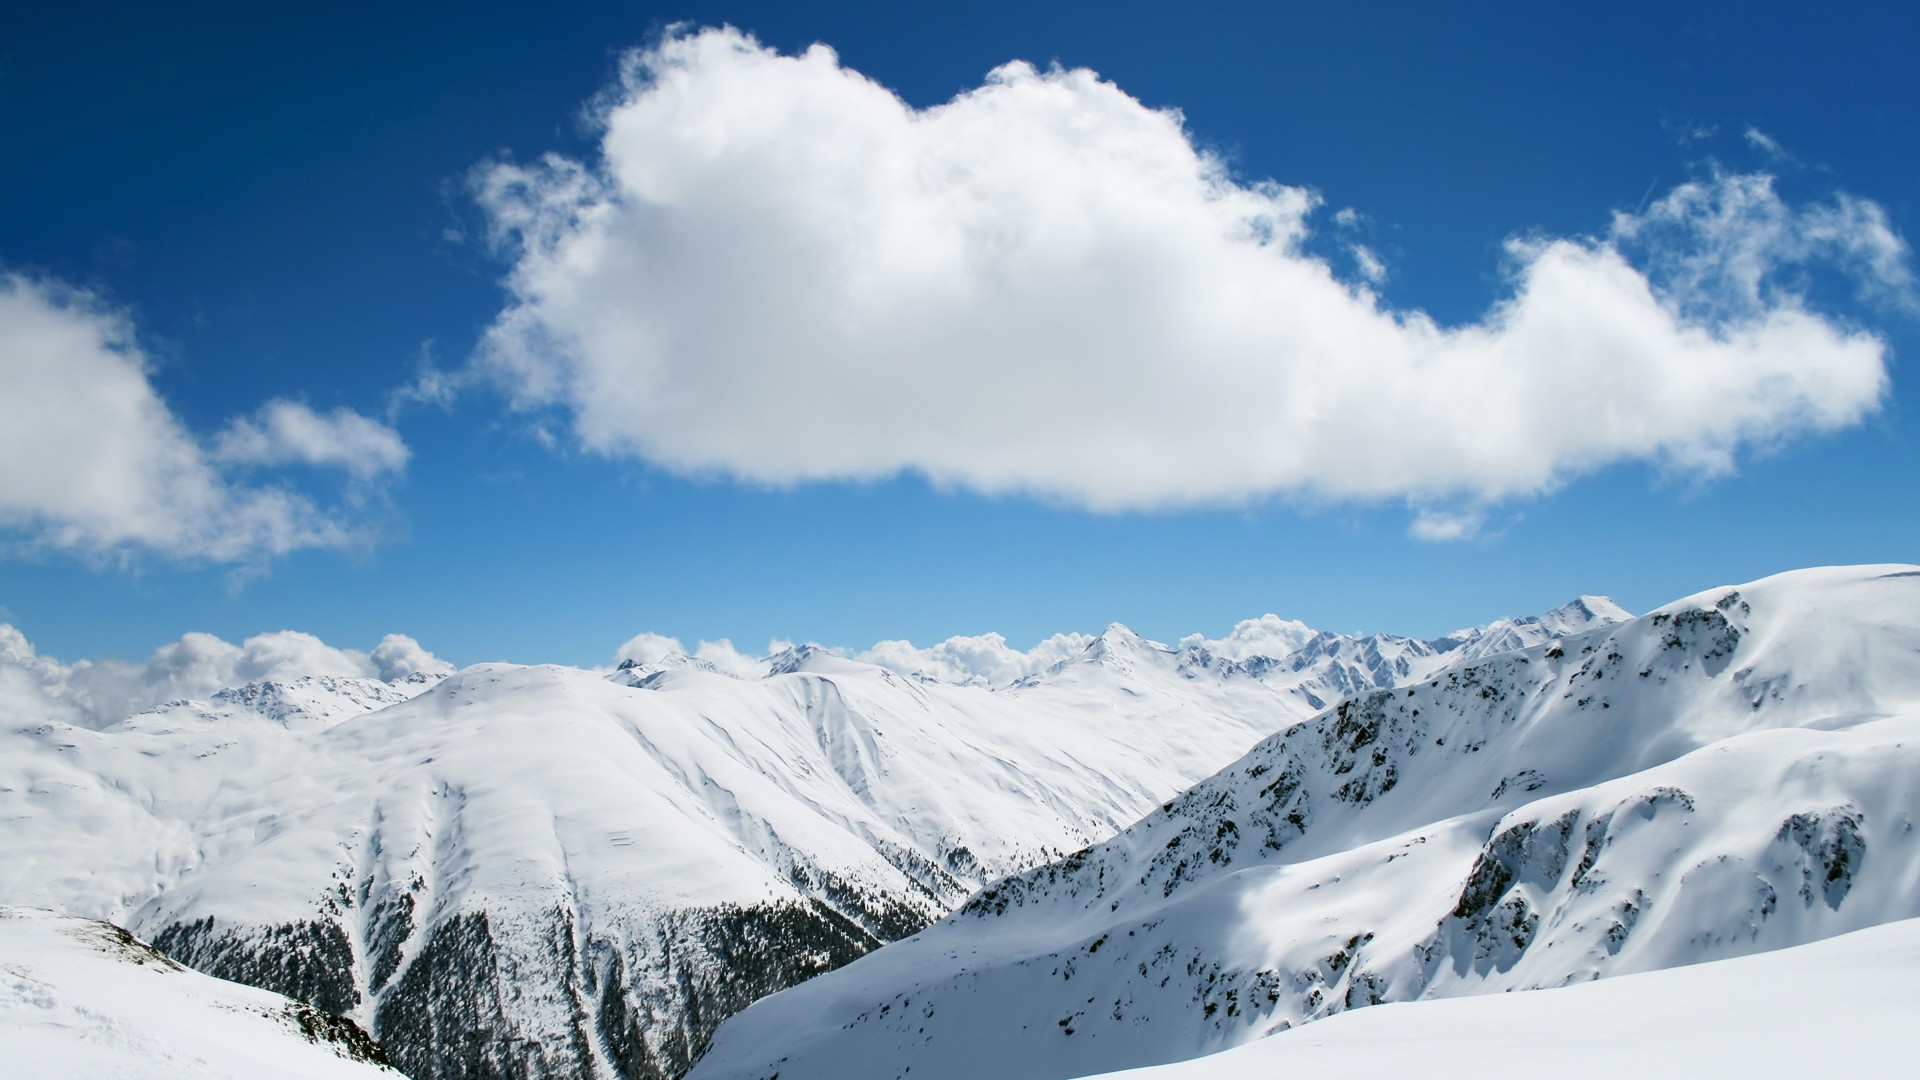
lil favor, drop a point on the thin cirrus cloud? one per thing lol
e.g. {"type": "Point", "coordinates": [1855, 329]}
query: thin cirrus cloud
{"type": "Point", "coordinates": [93, 461]}
{"type": "Point", "coordinates": [776, 270]}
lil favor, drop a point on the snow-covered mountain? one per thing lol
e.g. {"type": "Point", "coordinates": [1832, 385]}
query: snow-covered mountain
{"type": "Point", "coordinates": [544, 871]}
{"type": "Point", "coordinates": [1736, 772]}
{"type": "Point", "coordinates": [1747, 1016]}
{"type": "Point", "coordinates": [1320, 667]}
{"type": "Point", "coordinates": [80, 998]}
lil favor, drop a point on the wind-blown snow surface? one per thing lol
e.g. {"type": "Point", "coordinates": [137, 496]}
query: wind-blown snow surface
{"type": "Point", "coordinates": [541, 871]}
{"type": "Point", "coordinates": [1736, 772]}
{"type": "Point", "coordinates": [1839, 1007]}
{"type": "Point", "coordinates": [84, 999]}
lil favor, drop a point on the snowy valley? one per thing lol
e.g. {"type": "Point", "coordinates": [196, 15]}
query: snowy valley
{"type": "Point", "coordinates": [1736, 772]}
{"type": "Point", "coordinates": [555, 872]}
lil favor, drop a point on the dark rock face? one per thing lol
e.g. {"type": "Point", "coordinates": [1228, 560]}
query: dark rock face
{"type": "Point", "coordinates": [345, 1036]}
{"type": "Point", "coordinates": [1829, 849]}
{"type": "Point", "coordinates": [525, 997]}
{"type": "Point", "coordinates": [306, 961]}
{"type": "Point", "coordinates": [1495, 921]}
{"type": "Point", "coordinates": [449, 1015]}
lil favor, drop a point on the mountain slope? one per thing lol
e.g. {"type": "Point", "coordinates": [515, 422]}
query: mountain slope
{"type": "Point", "coordinates": [540, 857]}
{"type": "Point", "coordinates": [83, 998]}
{"type": "Point", "coordinates": [540, 871]}
{"type": "Point", "coordinates": [1747, 1016]}
{"type": "Point", "coordinates": [1733, 773]}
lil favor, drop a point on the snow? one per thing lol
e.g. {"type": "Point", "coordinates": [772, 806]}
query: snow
{"type": "Point", "coordinates": [324, 834]}
{"type": "Point", "coordinates": [1841, 1006]}
{"type": "Point", "coordinates": [1734, 773]}
{"type": "Point", "coordinates": [363, 819]}
{"type": "Point", "coordinates": [78, 999]}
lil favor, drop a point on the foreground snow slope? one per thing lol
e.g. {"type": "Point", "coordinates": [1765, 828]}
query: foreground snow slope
{"type": "Point", "coordinates": [1736, 772]}
{"type": "Point", "coordinates": [1843, 1006]}
{"type": "Point", "coordinates": [541, 871]}
{"type": "Point", "coordinates": [84, 999]}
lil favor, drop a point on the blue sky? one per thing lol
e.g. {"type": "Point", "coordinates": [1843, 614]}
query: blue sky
{"type": "Point", "coordinates": [289, 206]}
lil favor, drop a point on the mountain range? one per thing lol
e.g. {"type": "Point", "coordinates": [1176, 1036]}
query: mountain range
{"type": "Point", "coordinates": [1735, 772]}
{"type": "Point", "coordinates": [556, 872]}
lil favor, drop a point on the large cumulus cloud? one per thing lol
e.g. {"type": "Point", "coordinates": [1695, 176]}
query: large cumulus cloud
{"type": "Point", "coordinates": [776, 270]}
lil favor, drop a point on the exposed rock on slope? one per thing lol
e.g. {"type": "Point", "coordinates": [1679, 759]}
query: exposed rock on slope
{"type": "Point", "coordinates": [1734, 773]}
{"type": "Point", "coordinates": [1843, 1006]}
{"type": "Point", "coordinates": [543, 872]}
{"type": "Point", "coordinates": [85, 998]}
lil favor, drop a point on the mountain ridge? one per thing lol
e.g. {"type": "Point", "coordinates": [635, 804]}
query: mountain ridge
{"type": "Point", "coordinates": [1728, 773]}
{"type": "Point", "coordinates": [587, 862]}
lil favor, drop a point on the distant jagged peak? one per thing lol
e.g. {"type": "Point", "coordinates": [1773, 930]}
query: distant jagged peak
{"type": "Point", "coordinates": [632, 672]}
{"type": "Point", "coordinates": [792, 659]}
{"type": "Point", "coordinates": [1118, 637]}
{"type": "Point", "coordinates": [301, 701]}
{"type": "Point", "coordinates": [813, 659]}
{"type": "Point", "coordinates": [1577, 616]}
{"type": "Point", "coordinates": [1116, 647]}
{"type": "Point", "coordinates": [1584, 613]}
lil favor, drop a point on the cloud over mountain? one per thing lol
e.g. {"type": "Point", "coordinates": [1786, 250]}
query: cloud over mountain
{"type": "Point", "coordinates": [774, 269]}
{"type": "Point", "coordinates": [96, 693]}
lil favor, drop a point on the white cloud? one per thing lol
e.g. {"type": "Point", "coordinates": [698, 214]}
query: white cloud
{"type": "Point", "coordinates": [288, 432]}
{"type": "Point", "coordinates": [721, 654]}
{"type": "Point", "coordinates": [1728, 251]}
{"type": "Point", "coordinates": [1439, 526]}
{"type": "Point", "coordinates": [1268, 635]}
{"type": "Point", "coordinates": [776, 270]}
{"type": "Point", "coordinates": [398, 656]}
{"type": "Point", "coordinates": [983, 660]}
{"type": "Point", "coordinates": [651, 649]}
{"type": "Point", "coordinates": [96, 693]}
{"type": "Point", "coordinates": [1765, 143]}
{"type": "Point", "coordinates": [1371, 267]}
{"type": "Point", "coordinates": [92, 460]}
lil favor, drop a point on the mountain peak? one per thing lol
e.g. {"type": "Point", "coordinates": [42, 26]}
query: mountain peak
{"type": "Point", "coordinates": [812, 659]}
{"type": "Point", "coordinates": [1584, 613]}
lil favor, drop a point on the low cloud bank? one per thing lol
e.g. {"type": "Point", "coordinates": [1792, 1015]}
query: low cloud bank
{"type": "Point", "coordinates": [966, 659]}
{"type": "Point", "coordinates": [97, 693]}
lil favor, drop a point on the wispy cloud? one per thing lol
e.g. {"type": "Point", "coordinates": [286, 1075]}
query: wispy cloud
{"type": "Point", "coordinates": [1440, 526]}
{"type": "Point", "coordinates": [1765, 143]}
{"type": "Point", "coordinates": [288, 432]}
